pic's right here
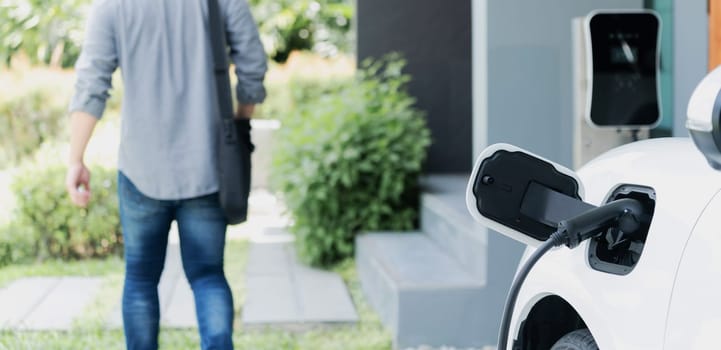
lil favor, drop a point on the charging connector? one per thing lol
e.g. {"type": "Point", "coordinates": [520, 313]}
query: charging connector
{"type": "Point", "coordinates": [623, 213]}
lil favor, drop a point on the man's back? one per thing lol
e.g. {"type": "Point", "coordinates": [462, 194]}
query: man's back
{"type": "Point", "coordinates": [169, 124]}
{"type": "Point", "coordinates": [168, 147]}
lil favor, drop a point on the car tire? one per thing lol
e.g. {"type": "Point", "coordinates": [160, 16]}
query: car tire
{"type": "Point", "coordinates": [580, 339]}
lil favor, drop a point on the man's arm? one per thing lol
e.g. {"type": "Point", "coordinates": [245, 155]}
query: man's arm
{"type": "Point", "coordinates": [77, 180]}
{"type": "Point", "coordinates": [94, 69]}
{"type": "Point", "coordinates": [248, 56]}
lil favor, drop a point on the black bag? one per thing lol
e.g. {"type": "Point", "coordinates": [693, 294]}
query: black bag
{"type": "Point", "coordinates": [234, 147]}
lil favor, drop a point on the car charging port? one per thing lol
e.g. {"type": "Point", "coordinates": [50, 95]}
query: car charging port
{"type": "Point", "coordinates": [617, 250]}
{"type": "Point", "coordinates": [585, 222]}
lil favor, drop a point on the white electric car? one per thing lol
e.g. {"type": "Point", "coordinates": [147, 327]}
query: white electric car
{"type": "Point", "coordinates": [645, 276]}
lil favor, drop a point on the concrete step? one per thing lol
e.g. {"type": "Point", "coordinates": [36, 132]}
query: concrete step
{"type": "Point", "coordinates": [446, 220]}
{"type": "Point", "coordinates": [488, 256]}
{"type": "Point", "coordinates": [444, 285]}
{"type": "Point", "coordinates": [421, 294]}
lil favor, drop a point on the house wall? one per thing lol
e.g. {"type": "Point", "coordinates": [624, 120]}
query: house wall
{"type": "Point", "coordinates": [690, 55]}
{"type": "Point", "coordinates": [435, 38]}
{"type": "Point", "coordinates": [523, 66]}
{"type": "Point", "coordinates": [525, 97]}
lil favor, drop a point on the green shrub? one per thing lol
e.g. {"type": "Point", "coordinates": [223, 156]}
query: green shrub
{"type": "Point", "coordinates": [302, 90]}
{"type": "Point", "coordinates": [57, 229]}
{"type": "Point", "coordinates": [349, 161]}
{"type": "Point", "coordinates": [283, 99]}
{"type": "Point", "coordinates": [27, 122]}
{"type": "Point", "coordinates": [17, 245]}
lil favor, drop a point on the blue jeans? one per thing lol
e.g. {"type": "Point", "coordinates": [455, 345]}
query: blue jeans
{"type": "Point", "coordinates": [201, 226]}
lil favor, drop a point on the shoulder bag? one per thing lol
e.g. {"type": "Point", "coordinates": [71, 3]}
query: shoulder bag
{"type": "Point", "coordinates": [234, 146]}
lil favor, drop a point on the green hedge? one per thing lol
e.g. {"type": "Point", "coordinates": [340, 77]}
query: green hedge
{"type": "Point", "coordinates": [286, 97]}
{"type": "Point", "coordinates": [17, 245]}
{"type": "Point", "coordinates": [349, 161]}
{"type": "Point", "coordinates": [47, 225]}
{"type": "Point", "coordinates": [25, 123]}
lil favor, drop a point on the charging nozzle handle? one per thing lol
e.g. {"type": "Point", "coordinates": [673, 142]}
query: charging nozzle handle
{"type": "Point", "coordinates": [623, 212]}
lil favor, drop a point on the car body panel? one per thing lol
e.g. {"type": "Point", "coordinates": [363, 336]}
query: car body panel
{"type": "Point", "coordinates": [694, 317]}
{"type": "Point", "coordinates": [630, 312]}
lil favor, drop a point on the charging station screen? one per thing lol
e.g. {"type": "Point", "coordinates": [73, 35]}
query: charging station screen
{"type": "Point", "coordinates": [624, 50]}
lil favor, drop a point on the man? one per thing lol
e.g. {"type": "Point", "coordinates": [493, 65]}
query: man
{"type": "Point", "coordinates": [167, 160]}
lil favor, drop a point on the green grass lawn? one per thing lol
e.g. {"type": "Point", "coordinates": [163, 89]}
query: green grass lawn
{"type": "Point", "coordinates": [89, 331]}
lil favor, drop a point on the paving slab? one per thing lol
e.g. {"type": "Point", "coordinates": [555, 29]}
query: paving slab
{"type": "Point", "coordinates": [63, 304]}
{"type": "Point", "coordinates": [270, 299]}
{"type": "Point", "coordinates": [282, 292]}
{"type": "Point", "coordinates": [46, 303]}
{"type": "Point", "coordinates": [268, 259]}
{"type": "Point", "coordinates": [180, 312]}
{"type": "Point", "coordinates": [323, 296]}
{"type": "Point", "coordinates": [21, 297]}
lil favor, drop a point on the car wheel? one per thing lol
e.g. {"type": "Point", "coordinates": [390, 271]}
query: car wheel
{"type": "Point", "coordinates": [580, 339]}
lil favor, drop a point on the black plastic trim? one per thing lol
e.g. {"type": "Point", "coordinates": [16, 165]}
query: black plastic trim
{"type": "Point", "coordinates": [623, 268]}
{"type": "Point", "coordinates": [502, 184]}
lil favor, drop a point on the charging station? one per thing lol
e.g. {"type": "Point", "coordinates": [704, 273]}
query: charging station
{"type": "Point", "coordinates": [616, 80]}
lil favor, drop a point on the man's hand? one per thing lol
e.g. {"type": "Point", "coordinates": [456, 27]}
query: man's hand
{"type": "Point", "coordinates": [77, 180]}
{"type": "Point", "coordinates": [77, 183]}
{"type": "Point", "coordinates": [245, 111]}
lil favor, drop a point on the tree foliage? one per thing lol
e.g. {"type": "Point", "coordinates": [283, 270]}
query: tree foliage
{"type": "Point", "coordinates": [319, 25]}
{"type": "Point", "coordinates": [50, 32]}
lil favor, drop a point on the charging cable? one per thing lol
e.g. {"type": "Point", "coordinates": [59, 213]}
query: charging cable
{"type": "Point", "coordinates": [623, 213]}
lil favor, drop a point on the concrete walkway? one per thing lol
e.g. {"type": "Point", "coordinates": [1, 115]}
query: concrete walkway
{"type": "Point", "coordinates": [280, 291]}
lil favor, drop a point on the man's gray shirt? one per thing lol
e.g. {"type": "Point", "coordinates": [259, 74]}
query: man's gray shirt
{"type": "Point", "coordinates": [169, 109]}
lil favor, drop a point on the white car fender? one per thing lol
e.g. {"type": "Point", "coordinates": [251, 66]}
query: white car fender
{"type": "Point", "coordinates": [544, 281]}
{"type": "Point", "coordinates": [694, 317]}
{"type": "Point", "coordinates": [629, 311]}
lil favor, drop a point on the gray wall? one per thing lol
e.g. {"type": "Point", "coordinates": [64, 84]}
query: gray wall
{"type": "Point", "coordinates": [690, 55]}
{"type": "Point", "coordinates": [528, 74]}
{"type": "Point", "coordinates": [435, 38]}
{"type": "Point", "coordinates": [522, 76]}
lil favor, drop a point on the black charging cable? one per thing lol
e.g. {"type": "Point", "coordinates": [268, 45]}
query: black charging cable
{"type": "Point", "coordinates": [623, 213]}
{"type": "Point", "coordinates": [555, 240]}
